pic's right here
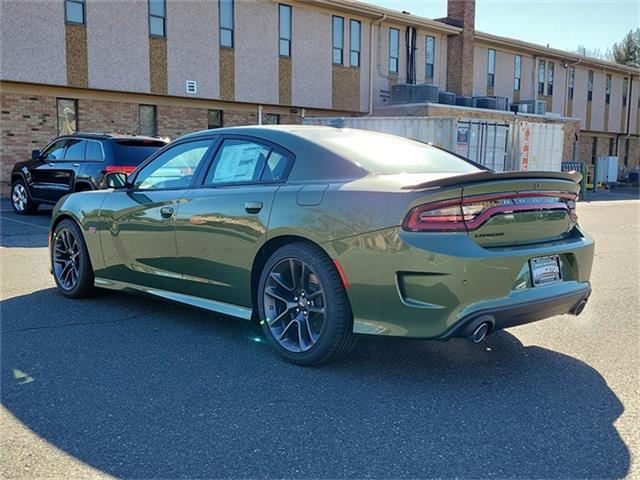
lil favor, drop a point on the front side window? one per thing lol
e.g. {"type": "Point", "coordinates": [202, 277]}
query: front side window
{"type": "Point", "coordinates": [284, 20]}
{"type": "Point", "coordinates": [214, 119]}
{"type": "Point", "coordinates": [67, 116]}
{"type": "Point", "coordinates": [147, 120]}
{"type": "Point", "coordinates": [607, 91]}
{"type": "Point", "coordinates": [430, 54]}
{"type": "Point", "coordinates": [74, 11]}
{"type": "Point", "coordinates": [590, 85]}
{"type": "Point", "coordinates": [541, 75]}
{"type": "Point", "coordinates": [75, 150]}
{"type": "Point", "coordinates": [174, 168]}
{"type": "Point", "coordinates": [226, 23]}
{"type": "Point", "coordinates": [55, 151]}
{"type": "Point", "coordinates": [394, 49]}
{"type": "Point", "coordinates": [491, 68]}
{"type": "Point", "coordinates": [517, 72]}
{"type": "Point", "coordinates": [238, 161]}
{"type": "Point", "coordinates": [550, 78]}
{"type": "Point", "coordinates": [338, 40]}
{"type": "Point", "coordinates": [157, 18]}
{"type": "Point", "coordinates": [354, 43]}
{"type": "Point", "coordinates": [572, 81]}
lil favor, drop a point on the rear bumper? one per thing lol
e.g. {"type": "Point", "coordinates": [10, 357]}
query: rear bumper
{"type": "Point", "coordinates": [519, 313]}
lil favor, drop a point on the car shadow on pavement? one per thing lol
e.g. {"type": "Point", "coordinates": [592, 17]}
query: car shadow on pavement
{"type": "Point", "coordinates": [139, 388]}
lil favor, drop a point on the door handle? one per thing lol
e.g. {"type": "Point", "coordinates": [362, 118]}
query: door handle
{"type": "Point", "coordinates": [75, 164]}
{"type": "Point", "coordinates": [166, 212]}
{"type": "Point", "coordinates": [252, 207]}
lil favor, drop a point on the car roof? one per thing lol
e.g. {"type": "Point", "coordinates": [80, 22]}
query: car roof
{"type": "Point", "coordinates": [112, 136]}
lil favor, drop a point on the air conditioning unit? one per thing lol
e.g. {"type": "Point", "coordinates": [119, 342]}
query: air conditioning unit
{"type": "Point", "coordinates": [424, 92]}
{"type": "Point", "coordinates": [522, 108]}
{"type": "Point", "coordinates": [484, 102]}
{"type": "Point", "coordinates": [401, 93]}
{"type": "Point", "coordinates": [447, 98]}
{"type": "Point", "coordinates": [464, 101]}
{"type": "Point", "coordinates": [502, 103]}
{"type": "Point", "coordinates": [539, 107]}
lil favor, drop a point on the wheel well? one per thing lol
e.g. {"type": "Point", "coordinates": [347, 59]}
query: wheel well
{"type": "Point", "coordinates": [62, 217]}
{"type": "Point", "coordinates": [16, 176]}
{"type": "Point", "coordinates": [261, 258]}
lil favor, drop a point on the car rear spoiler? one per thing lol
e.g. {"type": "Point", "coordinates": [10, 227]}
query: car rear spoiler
{"type": "Point", "coordinates": [480, 177]}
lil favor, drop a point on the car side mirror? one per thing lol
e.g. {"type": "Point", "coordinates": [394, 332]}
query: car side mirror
{"type": "Point", "coordinates": [35, 154]}
{"type": "Point", "coordinates": [117, 180]}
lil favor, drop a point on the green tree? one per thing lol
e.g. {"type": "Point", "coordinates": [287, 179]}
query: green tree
{"type": "Point", "coordinates": [627, 52]}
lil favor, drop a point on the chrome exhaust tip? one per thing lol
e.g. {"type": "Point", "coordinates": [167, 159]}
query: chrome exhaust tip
{"type": "Point", "coordinates": [577, 310]}
{"type": "Point", "coordinates": [480, 333]}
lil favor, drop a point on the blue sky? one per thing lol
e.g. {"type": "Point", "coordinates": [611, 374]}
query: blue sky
{"type": "Point", "coordinates": [561, 24]}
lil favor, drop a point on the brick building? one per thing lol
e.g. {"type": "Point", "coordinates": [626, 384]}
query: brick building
{"type": "Point", "coordinates": [168, 67]}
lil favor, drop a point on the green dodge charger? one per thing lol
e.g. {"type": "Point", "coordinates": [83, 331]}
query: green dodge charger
{"type": "Point", "coordinates": [321, 234]}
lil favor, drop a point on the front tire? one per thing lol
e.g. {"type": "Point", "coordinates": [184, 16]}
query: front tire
{"type": "Point", "coordinates": [70, 261]}
{"type": "Point", "coordinates": [21, 201]}
{"type": "Point", "coordinates": [303, 307]}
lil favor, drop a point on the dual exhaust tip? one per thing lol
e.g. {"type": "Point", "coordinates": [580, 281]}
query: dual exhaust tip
{"type": "Point", "coordinates": [479, 329]}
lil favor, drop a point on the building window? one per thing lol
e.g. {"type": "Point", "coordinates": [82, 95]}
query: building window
{"type": "Point", "coordinates": [284, 45]}
{"type": "Point", "coordinates": [226, 23]}
{"type": "Point", "coordinates": [550, 78]}
{"type": "Point", "coordinates": [354, 43]}
{"type": "Point", "coordinates": [517, 72]}
{"type": "Point", "coordinates": [626, 152]}
{"type": "Point", "coordinates": [541, 75]}
{"type": "Point", "coordinates": [430, 58]}
{"type": "Point", "coordinates": [590, 85]}
{"type": "Point", "coordinates": [607, 91]}
{"type": "Point", "coordinates": [491, 67]}
{"type": "Point", "coordinates": [271, 119]}
{"type": "Point", "coordinates": [214, 119]}
{"type": "Point", "coordinates": [612, 147]}
{"type": "Point", "coordinates": [338, 40]}
{"type": "Point", "coordinates": [394, 49]}
{"type": "Point", "coordinates": [594, 149]}
{"type": "Point", "coordinates": [572, 81]}
{"type": "Point", "coordinates": [67, 110]}
{"type": "Point", "coordinates": [157, 18]}
{"type": "Point", "coordinates": [147, 120]}
{"type": "Point", "coordinates": [625, 88]}
{"type": "Point", "coordinates": [74, 11]}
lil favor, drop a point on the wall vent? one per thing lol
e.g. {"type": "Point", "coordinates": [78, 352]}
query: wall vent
{"type": "Point", "coordinates": [192, 86]}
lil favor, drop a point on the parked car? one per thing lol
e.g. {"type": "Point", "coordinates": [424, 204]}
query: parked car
{"type": "Point", "coordinates": [75, 163]}
{"type": "Point", "coordinates": [323, 233]}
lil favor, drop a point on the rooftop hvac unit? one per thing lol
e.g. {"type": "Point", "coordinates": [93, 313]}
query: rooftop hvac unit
{"type": "Point", "coordinates": [401, 93]}
{"type": "Point", "coordinates": [448, 98]}
{"type": "Point", "coordinates": [502, 103]}
{"type": "Point", "coordinates": [522, 108]}
{"type": "Point", "coordinates": [424, 93]}
{"type": "Point", "coordinates": [464, 101]}
{"type": "Point", "coordinates": [484, 102]}
{"type": "Point", "coordinates": [539, 107]}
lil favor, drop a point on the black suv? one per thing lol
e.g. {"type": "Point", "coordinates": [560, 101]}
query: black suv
{"type": "Point", "coordinates": [73, 163]}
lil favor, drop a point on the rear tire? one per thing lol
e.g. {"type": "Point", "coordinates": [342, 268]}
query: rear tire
{"type": "Point", "coordinates": [70, 262]}
{"type": "Point", "coordinates": [21, 200]}
{"type": "Point", "coordinates": [294, 325]}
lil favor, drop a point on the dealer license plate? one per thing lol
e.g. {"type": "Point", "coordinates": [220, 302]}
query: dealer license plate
{"type": "Point", "coordinates": [545, 270]}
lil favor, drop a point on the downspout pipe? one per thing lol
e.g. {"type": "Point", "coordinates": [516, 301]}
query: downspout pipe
{"type": "Point", "coordinates": [378, 24]}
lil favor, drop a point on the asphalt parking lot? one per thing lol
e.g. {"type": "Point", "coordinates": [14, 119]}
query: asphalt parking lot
{"type": "Point", "coordinates": [127, 386]}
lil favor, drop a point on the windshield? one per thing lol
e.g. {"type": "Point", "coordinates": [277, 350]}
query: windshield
{"type": "Point", "coordinates": [384, 154]}
{"type": "Point", "coordinates": [133, 152]}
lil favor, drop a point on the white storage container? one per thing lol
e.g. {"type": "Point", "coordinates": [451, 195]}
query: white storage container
{"type": "Point", "coordinates": [607, 168]}
{"type": "Point", "coordinates": [537, 146]}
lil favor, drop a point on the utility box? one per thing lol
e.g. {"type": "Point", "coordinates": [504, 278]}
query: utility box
{"type": "Point", "coordinates": [607, 168]}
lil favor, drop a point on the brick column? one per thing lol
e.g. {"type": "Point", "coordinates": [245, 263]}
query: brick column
{"type": "Point", "coordinates": [460, 47]}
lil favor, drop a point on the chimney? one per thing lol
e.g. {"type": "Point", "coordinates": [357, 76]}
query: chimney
{"type": "Point", "coordinates": [461, 13]}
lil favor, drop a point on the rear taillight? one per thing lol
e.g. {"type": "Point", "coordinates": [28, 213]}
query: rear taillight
{"type": "Point", "coordinates": [472, 212]}
{"type": "Point", "coordinates": [120, 169]}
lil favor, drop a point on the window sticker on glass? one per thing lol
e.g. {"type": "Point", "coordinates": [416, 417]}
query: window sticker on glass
{"type": "Point", "coordinates": [238, 161]}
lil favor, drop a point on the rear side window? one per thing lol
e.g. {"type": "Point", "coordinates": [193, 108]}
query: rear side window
{"type": "Point", "coordinates": [238, 161]}
{"type": "Point", "coordinates": [94, 152]}
{"type": "Point", "coordinates": [75, 150]}
{"type": "Point", "coordinates": [134, 152]}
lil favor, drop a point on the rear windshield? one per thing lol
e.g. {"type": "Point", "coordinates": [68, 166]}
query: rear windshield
{"type": "Point", "coordinates": [384, 154]}
{"type": "Point", "coordinates": [134, 152]}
